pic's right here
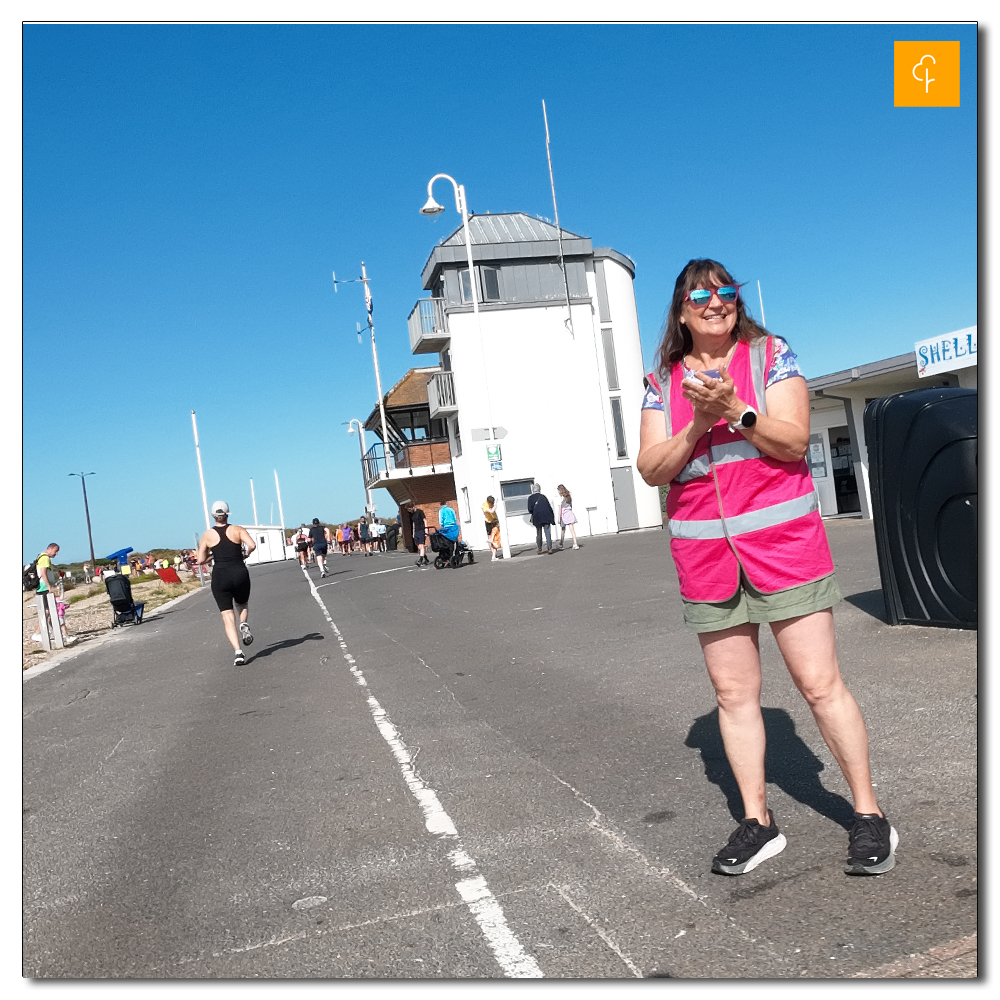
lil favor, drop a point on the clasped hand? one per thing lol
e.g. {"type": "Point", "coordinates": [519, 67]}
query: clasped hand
{"type": "Point", "coordinates": [712, 399]}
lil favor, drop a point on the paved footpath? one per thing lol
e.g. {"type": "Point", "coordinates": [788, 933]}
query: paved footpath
{"type": "Point", "coordinates": [508, 769]}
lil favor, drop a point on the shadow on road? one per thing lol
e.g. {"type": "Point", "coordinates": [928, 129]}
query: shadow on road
{"type": "Point", "coordinates": [788, 763]}
{"type": "Point", "coordinates": [872, 602]}
{"type": "Point", "coordinates": [285, 644]}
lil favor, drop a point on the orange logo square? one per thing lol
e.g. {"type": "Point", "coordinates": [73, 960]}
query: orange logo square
{"type": "Point", "coordinates": [925, 75]}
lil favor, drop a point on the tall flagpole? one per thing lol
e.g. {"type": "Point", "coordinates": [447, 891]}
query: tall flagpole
{"type": "Point", "coordinates": [378, 380]}
{"type": "Point", "coordinates": [555, 208]}
{"type": "Point", "coordinates": [763, 322]}
{"type": "Point", "coordinates": [253, 501]}
{"type": "Point", "coordinates": [201, 475]}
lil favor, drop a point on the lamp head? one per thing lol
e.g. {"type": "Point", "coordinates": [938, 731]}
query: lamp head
{"type": "Point", "coordinates": [432, 207]}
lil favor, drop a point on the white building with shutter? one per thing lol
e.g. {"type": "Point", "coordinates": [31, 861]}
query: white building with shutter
{"type": "Point", "coordinates": [563, 401]}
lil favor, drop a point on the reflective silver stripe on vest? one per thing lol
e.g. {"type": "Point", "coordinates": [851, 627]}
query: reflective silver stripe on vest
{"type": "Point", "coordinates": [754, 520]}
{"type": "Point", "coordinates": [758, 363]}
{"type": "Point", "coordinates": [696, 467]}
{"type": "Point", "coordinates": [736, 449]}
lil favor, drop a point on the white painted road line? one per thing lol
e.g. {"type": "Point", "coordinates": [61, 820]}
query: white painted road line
{"type": "Point", "coordinates": [483, 905]}
{"type": "Point", "coordinates": [395, 569]}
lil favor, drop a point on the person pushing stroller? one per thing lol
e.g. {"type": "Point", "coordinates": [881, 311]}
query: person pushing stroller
{"type": "Point", "coordinates": [445, 541]}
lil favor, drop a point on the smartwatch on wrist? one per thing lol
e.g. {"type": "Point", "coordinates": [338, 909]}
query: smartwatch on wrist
{"type": "Point", "coordinates": [747, 419]}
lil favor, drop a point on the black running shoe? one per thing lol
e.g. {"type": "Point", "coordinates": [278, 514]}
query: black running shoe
{"type": "Point", "coordinates": [238, 658]}
{"type": "Point", "coordinates": [749, 845]}
{"type": "Point", "coordinates": [245, 632]}
{"type": "Point", "coordinates": [873, 845]}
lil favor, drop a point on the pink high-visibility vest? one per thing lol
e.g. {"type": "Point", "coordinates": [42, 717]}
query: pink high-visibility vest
{"type": "Point", "coordinates": [734, 507]}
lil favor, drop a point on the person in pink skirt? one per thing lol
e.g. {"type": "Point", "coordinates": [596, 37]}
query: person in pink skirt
{"type": "Point", "coordinates": [567, 519]}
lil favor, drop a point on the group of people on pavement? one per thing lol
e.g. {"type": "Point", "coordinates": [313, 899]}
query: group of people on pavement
{"type": "Point", "coordinates": [369, 537]}
{"type": "Point", "coordinates": [542, 517]}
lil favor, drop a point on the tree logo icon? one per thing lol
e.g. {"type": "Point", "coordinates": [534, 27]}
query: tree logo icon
{"type": "Point", "coordinates": [917, 65]}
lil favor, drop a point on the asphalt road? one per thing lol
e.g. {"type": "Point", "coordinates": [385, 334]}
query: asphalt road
{"type": "Point", "coordinates": [508, 769]}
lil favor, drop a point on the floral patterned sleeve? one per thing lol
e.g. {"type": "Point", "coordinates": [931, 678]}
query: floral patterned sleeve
{"type": "Point", "coordinates": [784, 364]}
{"type": "Point", "coordinates": [652, 400]}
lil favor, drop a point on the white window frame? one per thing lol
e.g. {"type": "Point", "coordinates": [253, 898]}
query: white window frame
{"type": "Point", "coordinates": [512, 507]}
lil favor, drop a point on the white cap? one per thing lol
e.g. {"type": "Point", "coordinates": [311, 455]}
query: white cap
{"type": "Point", "coordinates": [220, 507]}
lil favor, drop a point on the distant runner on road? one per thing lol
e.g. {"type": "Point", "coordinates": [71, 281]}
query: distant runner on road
{"type": "Point", "coordinates": [320, 536]}
{"type": "Point", "coordinates": [230, 544]}
{"type": "Point", "coordinates": [302, 545]}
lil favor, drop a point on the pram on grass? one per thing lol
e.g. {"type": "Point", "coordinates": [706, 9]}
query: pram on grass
{"type": "Point", "coordinates": [124, 608]}
{"type": "Point", "coordinates": [449, 553]}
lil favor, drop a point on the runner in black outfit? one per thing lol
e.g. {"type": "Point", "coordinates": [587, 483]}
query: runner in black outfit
{"type": "Point", "coordinates": [230, 544]}
{"type": "Point", "coordinates": [320, 536]}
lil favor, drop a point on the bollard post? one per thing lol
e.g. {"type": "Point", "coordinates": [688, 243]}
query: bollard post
{"type": "Point", "coordinates": [48, 617]}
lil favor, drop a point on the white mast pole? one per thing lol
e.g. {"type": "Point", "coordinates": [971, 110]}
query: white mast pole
{"type": "Point", "coordinates": [253, 501]}
{"type": "Point", "coordinates": [763, 322]}
{"type": "Point", "coordinates": [555, 208]}
{"type": "Point", "coordinates": [201, 475]}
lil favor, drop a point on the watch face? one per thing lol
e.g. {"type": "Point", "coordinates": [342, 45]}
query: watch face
{"type": "Point", "coordinates": [748, 419]}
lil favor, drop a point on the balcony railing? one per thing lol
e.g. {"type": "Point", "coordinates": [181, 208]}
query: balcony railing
{"type": "Point", "coordinates": [428, 327]}
{"type": "Point", "coordinates": [434, 456]}
{"type": "Point", "coordinates": [441, 393]}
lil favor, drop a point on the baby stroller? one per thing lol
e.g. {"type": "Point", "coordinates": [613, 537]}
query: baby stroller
{"type": "Point", "coordinates": [449, 553]}
{"type": "Point", "coordinates": [126, 611]}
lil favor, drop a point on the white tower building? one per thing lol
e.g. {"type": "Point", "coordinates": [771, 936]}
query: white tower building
{"type": "Point", "coordinates": [568, 402]}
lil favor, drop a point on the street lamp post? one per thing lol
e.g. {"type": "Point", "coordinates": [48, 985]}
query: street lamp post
{"type": "Point", "coordinates": [433, 208]}
{"type": "Point", "coordinates": [86, 510]}
{"type": "Point", "coordinates": [369, 503]}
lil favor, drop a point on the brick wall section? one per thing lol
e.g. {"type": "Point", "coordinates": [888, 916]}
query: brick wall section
{"type": "Point", "coordinates": [418, 455]}
{"type": "Point", "coordinates": [428, 493]}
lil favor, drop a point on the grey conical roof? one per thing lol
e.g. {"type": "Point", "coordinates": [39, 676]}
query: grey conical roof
{"type": "Point", "coordinates": [507, 227]}
{"type": "Point", "coordinates": [505, 236]}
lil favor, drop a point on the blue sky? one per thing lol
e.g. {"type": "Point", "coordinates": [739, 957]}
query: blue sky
{"type": "Point", "coordinates": [188, 190]}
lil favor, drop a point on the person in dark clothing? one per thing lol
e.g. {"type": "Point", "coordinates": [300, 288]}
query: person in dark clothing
{"type": "Point", "coordinates": [228, 545]}
{"type": "Point", "coordinates": [419, 522]}
{"type": "Point", "coordinates": [320, 536]}
{"type": "Point", "coordinates": [540, 512]}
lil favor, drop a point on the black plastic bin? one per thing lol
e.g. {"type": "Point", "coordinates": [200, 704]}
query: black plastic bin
{"type": "Point", "coordinates": [923, 452]}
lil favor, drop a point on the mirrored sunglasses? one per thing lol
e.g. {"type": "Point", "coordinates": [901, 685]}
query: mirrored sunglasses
{"type": "Point", "coordinates": [700, 297]}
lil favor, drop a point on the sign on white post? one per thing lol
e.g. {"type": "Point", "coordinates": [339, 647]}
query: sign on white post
{"type": "Point", "coordinates": [947, 353]}
{"type": "Point", "coordinates": [493, 453]}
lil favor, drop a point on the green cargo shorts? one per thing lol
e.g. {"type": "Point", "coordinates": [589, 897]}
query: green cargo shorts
{"type": "Point", "coordinates": [749, 605]}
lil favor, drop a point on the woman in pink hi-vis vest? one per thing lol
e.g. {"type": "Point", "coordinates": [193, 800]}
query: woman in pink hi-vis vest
{"type": "Point", "coordinates": [746, 536]}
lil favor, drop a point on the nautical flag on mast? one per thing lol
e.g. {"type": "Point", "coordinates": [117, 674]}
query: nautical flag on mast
{"type": "Point", "coordinates": [368, 303]}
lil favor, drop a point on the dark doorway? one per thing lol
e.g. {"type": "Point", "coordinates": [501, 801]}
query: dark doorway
{"type": "Point", "coordinates": [844, 482]}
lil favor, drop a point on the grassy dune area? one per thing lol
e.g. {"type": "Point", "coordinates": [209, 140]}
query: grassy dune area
{"type": "Point", "coordinates": [89, 613]}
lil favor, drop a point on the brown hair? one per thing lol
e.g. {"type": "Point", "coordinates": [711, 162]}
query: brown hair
{"type": "Point", "coordinates": [676, 340]}
{"type": "Point", "coordinates": [565, 493]}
